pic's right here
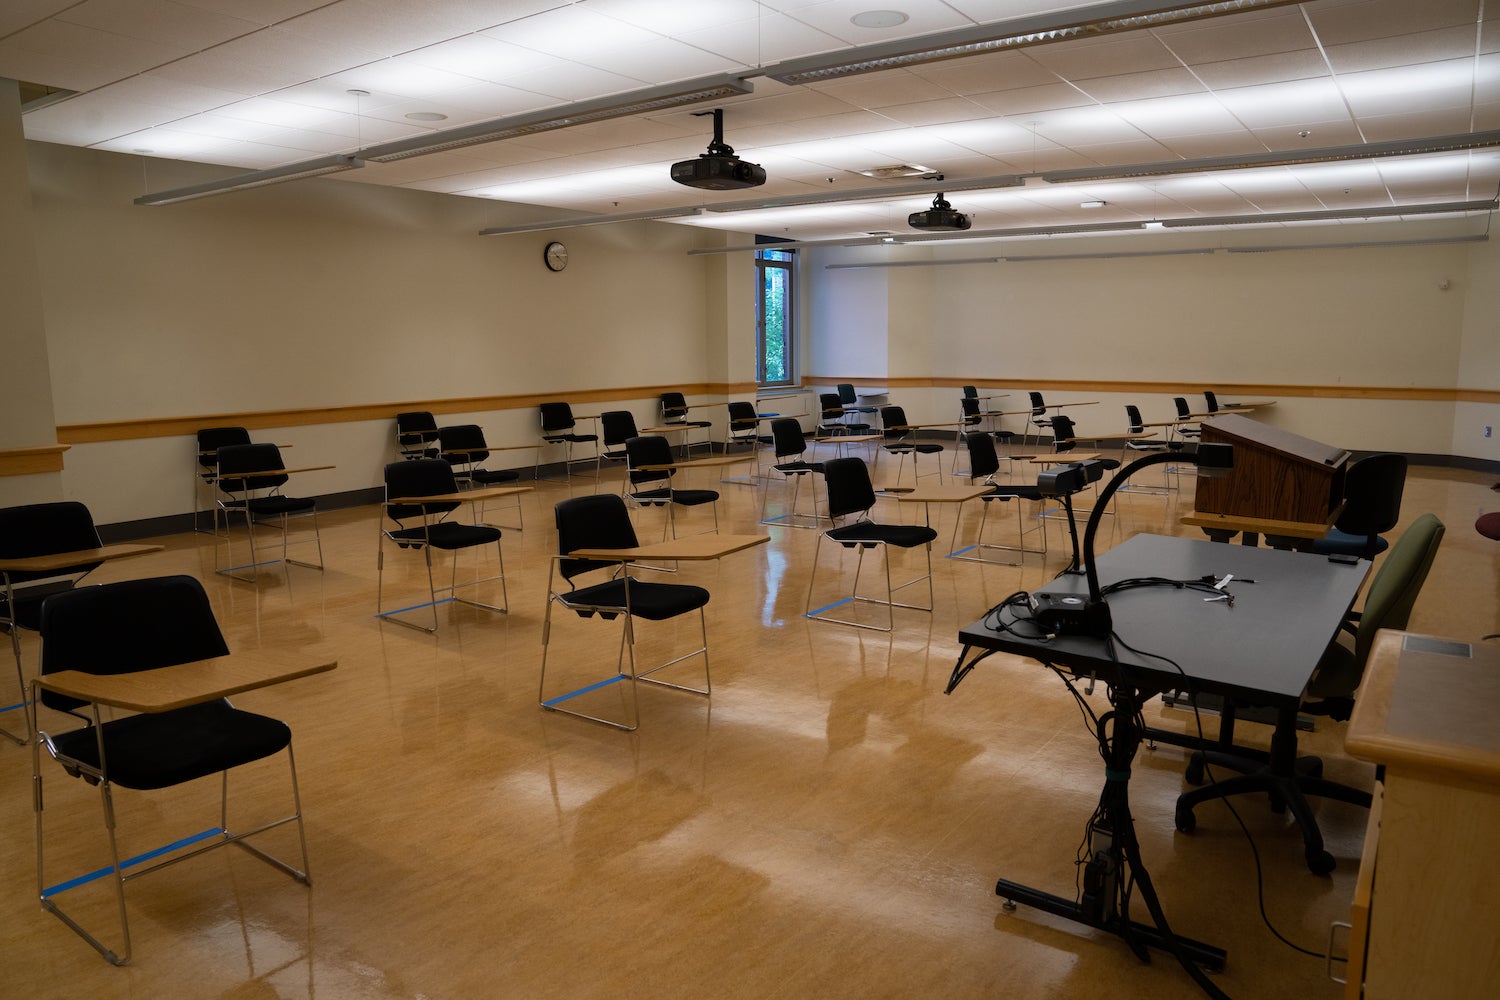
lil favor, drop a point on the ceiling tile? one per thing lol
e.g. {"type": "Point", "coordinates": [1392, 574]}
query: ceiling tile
{"type": "Point", "coordinates": [1141, 86]}
{"type": "Point", "coordinates": [1132, 52]}
{"type": "Point", "coordinates": [161, 21]}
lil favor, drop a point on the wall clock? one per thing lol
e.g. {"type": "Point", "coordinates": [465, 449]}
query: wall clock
{"type": "Point", "coordinates": [556, 256]}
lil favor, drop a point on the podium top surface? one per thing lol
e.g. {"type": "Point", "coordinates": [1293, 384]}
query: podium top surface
{"type": "Point", "coordinates": [1238, 429]}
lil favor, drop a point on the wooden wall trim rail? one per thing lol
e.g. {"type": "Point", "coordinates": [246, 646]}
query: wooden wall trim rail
{"type": "Point", "coordinates": [31, 461]}
{"type": "Point", "coordinates": [130, 430]}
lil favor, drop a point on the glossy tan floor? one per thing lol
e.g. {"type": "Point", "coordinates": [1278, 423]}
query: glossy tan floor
{"type": "Point", "coordinates": [828, 824]}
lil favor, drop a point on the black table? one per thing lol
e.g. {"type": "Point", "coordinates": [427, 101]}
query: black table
{"type": "Point", "coordinates": [1260, 649]}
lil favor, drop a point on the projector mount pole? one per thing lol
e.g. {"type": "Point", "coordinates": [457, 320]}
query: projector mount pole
{"type": "Point", "coordinates": [718, 146]}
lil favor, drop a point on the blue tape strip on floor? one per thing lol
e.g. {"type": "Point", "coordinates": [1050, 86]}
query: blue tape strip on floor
{"type": "Point", "coordinates": [414, 607]}
{"type": "Point", "coordinates": [958, 552]}
{"type": "Point", "coordinates": [138, 859]}
{"type": "Point", "coordinates": [828, 607]}
{"type": "Point", "coordinates": [584, 690]}
{"type": "Point", "coordinates": [12, 708]}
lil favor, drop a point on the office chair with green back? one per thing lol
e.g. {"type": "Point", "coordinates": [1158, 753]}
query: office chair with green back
{"type": "Point", "coordinates": [1330, 692]}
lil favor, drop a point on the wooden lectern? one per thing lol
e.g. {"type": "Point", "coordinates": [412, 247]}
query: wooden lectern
{"type": "Point", "coordinates": [1293, 482]}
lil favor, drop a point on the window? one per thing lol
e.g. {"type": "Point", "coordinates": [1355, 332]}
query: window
{"type": "Point", "coordinates": [773, 316]}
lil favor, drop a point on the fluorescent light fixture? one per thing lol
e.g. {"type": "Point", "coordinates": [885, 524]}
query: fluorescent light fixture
{"type": "Point", "coordinates": [1434, 241]}
{"type": "Point", "coordinates": [923, 187]}
{"type": "Point", "coordinates": [1091, 204]}
{"type": "Point", "coordinates": [579, 113]}
{"type": "Point", "coordinates": [915, 263]}
{"type": "Point", "coordinates": [1328, 215]}
{"type": "Point", "coordinates": [1101, 19]}
{"type": "Point", "coordinates": [1328, 154]}
{"type": "Point", "coordinates": [908, 239]}
{"type": "Point", "coordinates": [259, 178]}
{"type": "Point", "coordinates": [1111, 256]}
{"type": "Point", "coordinates": [592, 220]}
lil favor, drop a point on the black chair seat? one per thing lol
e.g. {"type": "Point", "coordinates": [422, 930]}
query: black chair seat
{"type": "Point", "coordinates": [161, 749]}
{"type": "Point", "coordinates": [1005, 491]}
{"type": "Point", "coordinates": [662, 496]}
{"type": "Point", "coordinates": [652, 601]}
{"type": "Point", "coordinates": [273, 506]}
{"type": "Point", "coordinates": [906, 536]}
{"type": "Point", "coordinates": [569, 438]}
{"type": "Point", "coordinates": [447, 535]}
{"type": "Point", "coordinates": [493, 477]}
{"type": "Point", "coordinates": [798, 468]}
{"type": "Point", "coordinates": [1338, 542]}
{"type": "Point", "coordinates": [912, 446]}
{"type": "Point", "coordinates": [689, 423]}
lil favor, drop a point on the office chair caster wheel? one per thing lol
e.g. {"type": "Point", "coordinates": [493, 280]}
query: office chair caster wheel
{"type": "Point", "coordinates": [1187, 822]}
{"type": "Point", "coordinates": [1320, 862]}
{"type": "Point", "coordinates": [1194, 773]}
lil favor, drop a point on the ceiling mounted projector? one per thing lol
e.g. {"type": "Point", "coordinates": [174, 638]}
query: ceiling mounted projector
{"type": "Point", "coordinates": [718, 169]}
{"type": "Point", "coordinates": [939, 218]}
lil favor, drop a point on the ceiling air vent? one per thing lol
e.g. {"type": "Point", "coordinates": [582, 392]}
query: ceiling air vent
{"type": "Point", "coordinates": [897, 171]}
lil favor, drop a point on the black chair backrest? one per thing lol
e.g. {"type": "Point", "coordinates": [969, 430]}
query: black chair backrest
{"type": "Point", "coordinates": [786, 434]}
{"type": "Point", "coordinates": [40, 529]}
{"type": "Point", "coordinates": [673, 405]}
{"type": "Point", "coordinates": [1211, 400]}
{"type": "Point", "coordinates": [970, 392]}
{"type": "Point", "coordinates": [1372, 495]}
{"type": "Point", "coordinates": [649, 450]}
{"type": "Point", "coordinates": [742, 415]}
{"type": "Point", "coordinates": [848, 484]}
{"type": "Point", "coordinates": [237, 459]}
{"type": "Point", "coordinates": [1037, 406]}
{"type": "Point", "coordinates": [982, 458]}
{"type": "Point", "coordinates": [618, 427]}
{"type": "Point", "coordinates": [117, 628]}
{"type": "Point", "coordinates": [467, 439]}
{"type": "Point", "coordinates": [1133, 416]}
{"type": "Point", "coordinates": [593, 522]}
{"type": "Point", "coordinates": [847, 395]}
{"type": "Point", "coordinates": [832, 407]}
{"type": "Point", "coordinates": [211, 439]}
{"type": "Point", "coordinates": [971, 410]}
{"type": "Point", "coordinates": [556, 416]}
{"type": "Point", "coordinates": [894, 420]}
{"type": "Point", "coordinates": [416, 427]}
{"type": "Point", "coordinates": [1062, 433]}
{"type": "Point", "coordinates": [1182, 407]}
{"type": "Point", "coordinates": [423, 477]}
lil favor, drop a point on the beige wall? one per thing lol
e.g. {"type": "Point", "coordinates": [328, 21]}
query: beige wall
{"type": "Point", "coordinates": [325, 293]}
{"type": "Point", "coordinates": [1330, 318]}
